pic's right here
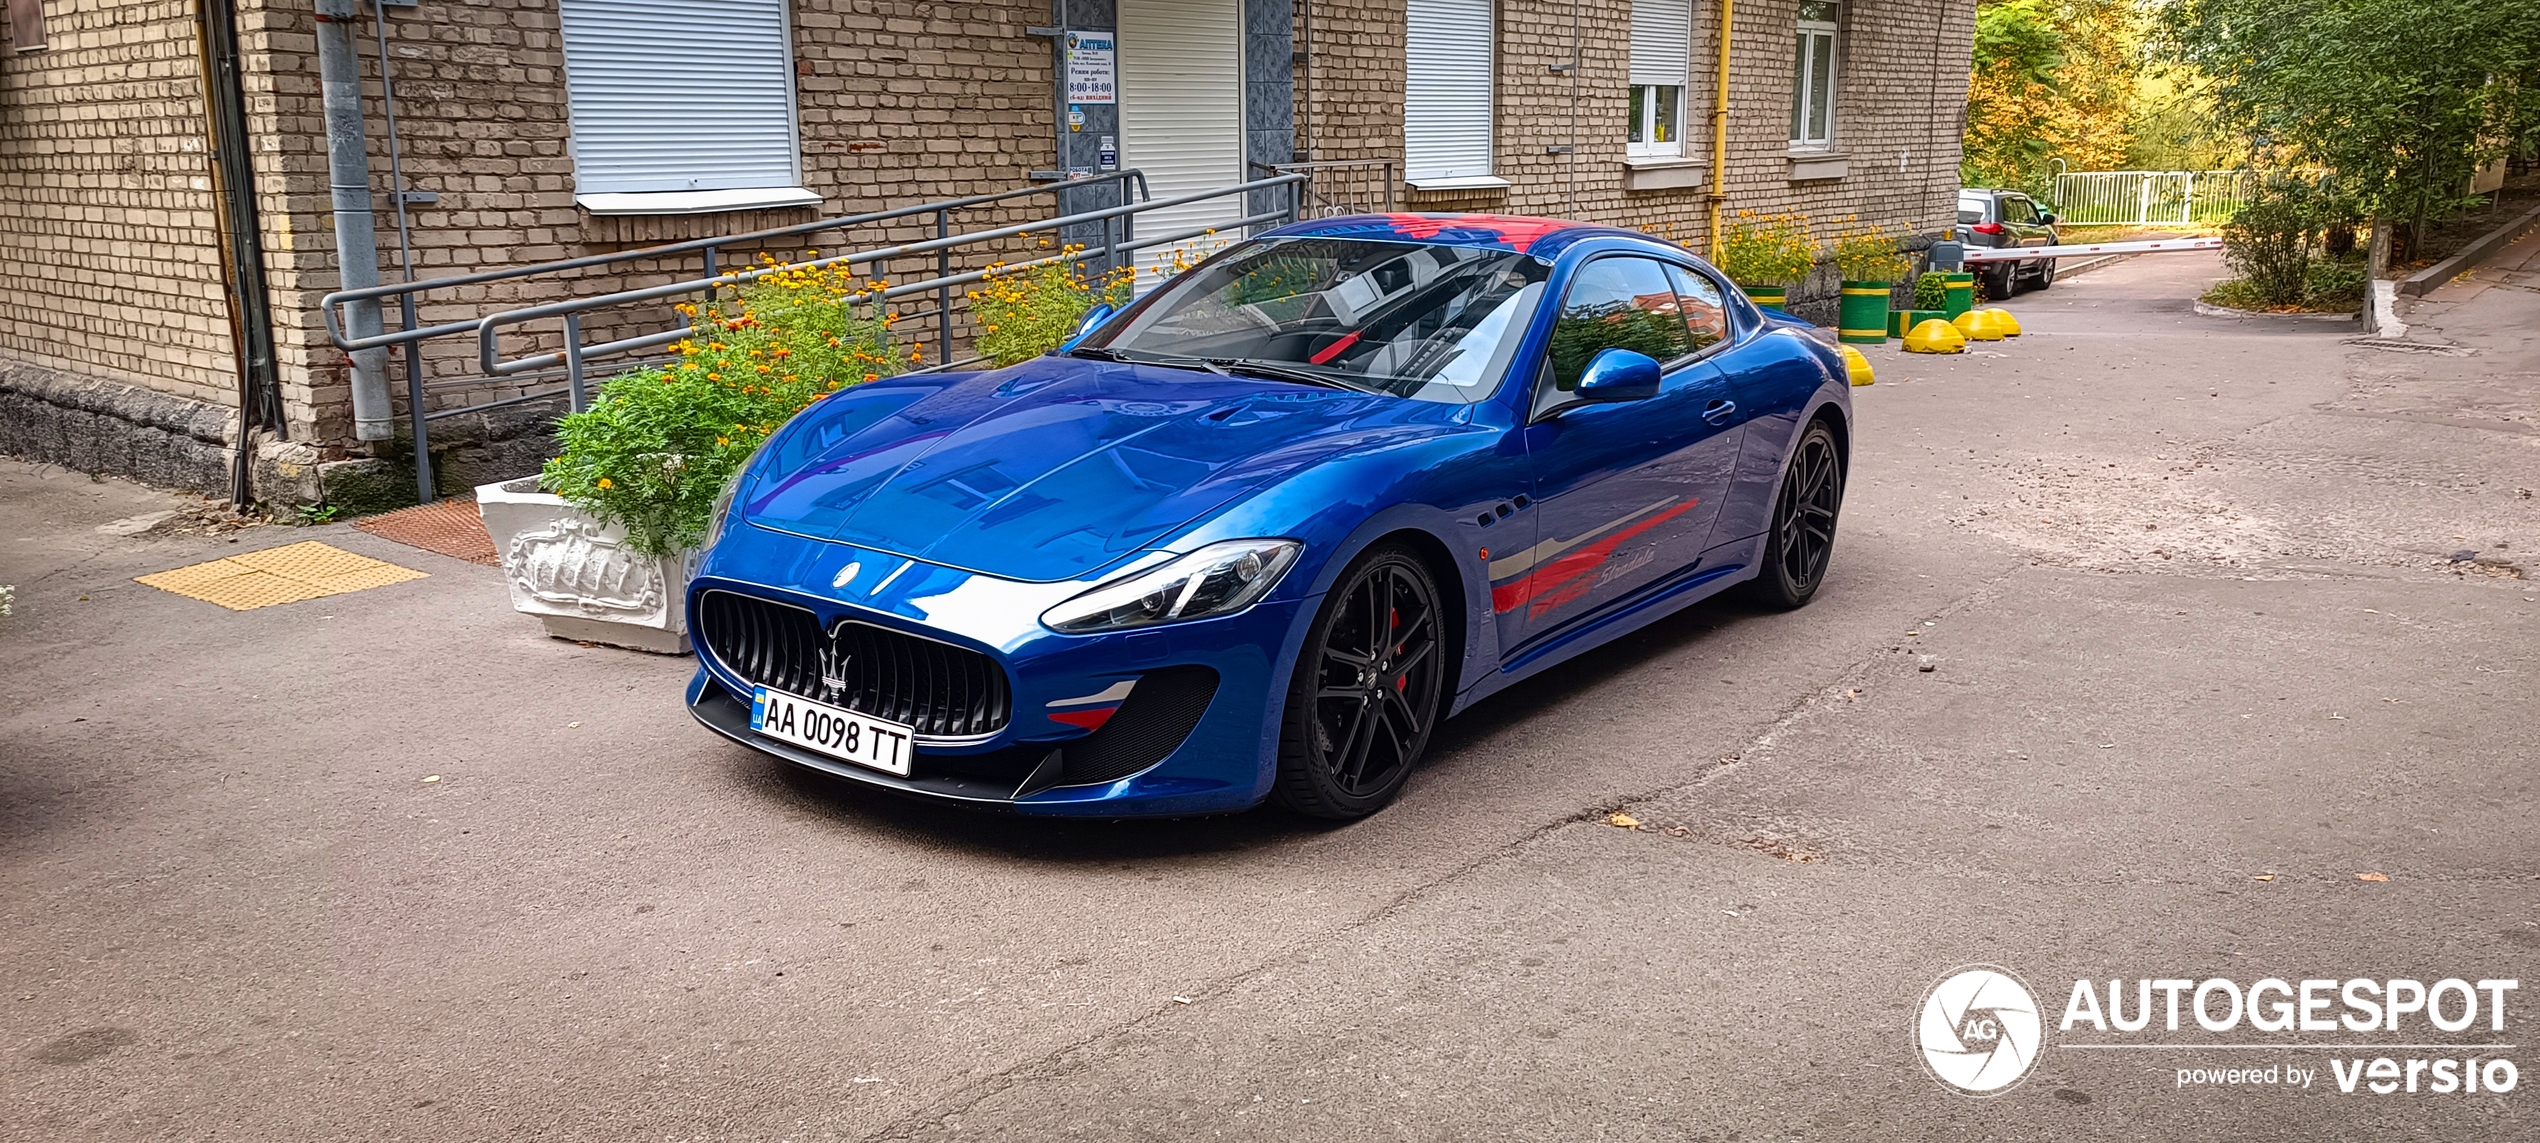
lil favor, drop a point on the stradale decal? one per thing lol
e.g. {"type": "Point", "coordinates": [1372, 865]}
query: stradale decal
{"type": "Point", "coordinates": [1979, 1030]}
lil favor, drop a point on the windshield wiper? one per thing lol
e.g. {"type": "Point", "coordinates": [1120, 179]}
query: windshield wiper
{"type": "Point", "coordinates": [1095, 353]}
{"type": "Point", "coordinates": [1231, 366]}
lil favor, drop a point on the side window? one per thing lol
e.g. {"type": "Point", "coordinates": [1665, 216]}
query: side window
{"type": "Point", "coordinates": [2019, 210]}
{"type": "Point", "coordinates": [1706, 317]}
{"type": "Point", "coordinates": [1617, 303]}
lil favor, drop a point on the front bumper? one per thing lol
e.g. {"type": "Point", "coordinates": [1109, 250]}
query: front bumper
{"type": "Point", "coordinates": [1194, 730]}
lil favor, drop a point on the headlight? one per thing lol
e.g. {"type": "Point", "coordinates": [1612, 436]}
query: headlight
{"type": "Point", "coordinates": [1220, 579]}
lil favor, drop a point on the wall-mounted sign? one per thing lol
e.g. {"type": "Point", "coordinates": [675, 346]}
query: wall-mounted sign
{"type": "Point", "coordinates": [1110, 152]}
{"type": "Point", "coordinates": [1092, 74]}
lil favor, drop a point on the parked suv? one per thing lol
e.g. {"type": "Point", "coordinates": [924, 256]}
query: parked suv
{"type": "Point", "coordinates": [2006, 218]}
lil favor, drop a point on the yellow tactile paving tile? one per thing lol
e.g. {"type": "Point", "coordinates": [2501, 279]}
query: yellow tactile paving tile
{"type": "Point", "coordinates": [287, 574]}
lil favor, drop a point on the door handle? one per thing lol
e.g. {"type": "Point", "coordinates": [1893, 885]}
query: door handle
{"type": "Point", "coordinates": [1718, 412]}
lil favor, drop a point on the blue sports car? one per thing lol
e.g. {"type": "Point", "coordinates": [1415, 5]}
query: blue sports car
{"type": "Point", "coordinates": [1252, 537]}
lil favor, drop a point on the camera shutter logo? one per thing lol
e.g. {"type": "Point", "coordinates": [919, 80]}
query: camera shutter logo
{"type": "Point", "coordinates": [1978, 1030]}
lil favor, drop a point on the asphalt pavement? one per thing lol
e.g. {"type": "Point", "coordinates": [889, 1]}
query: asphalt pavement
{"type": "Point", "coordinates": [2148, 634]}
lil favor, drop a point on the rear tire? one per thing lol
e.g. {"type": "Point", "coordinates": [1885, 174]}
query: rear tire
{"type": "Point", "coordinates": [1999, 281]}
{"type": "Point", "coordinates": [1801, 543]}
{"type": "Point", "coordinates": [1367, 688]}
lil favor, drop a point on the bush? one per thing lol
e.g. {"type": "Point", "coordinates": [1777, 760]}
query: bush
{"type": "Point", "coordinates": [1023, 314]}
{"type": "Point", "coordinates": [1765, 251]}
{"type": "Point", "coordinates": [1931, 291]}
{"type": "Point", "coordinates": [2273, 242]}
{"type": "Point", "coordinates": [1870, 254]}
{"type": "Point", "coordinates": [656, 447]}
{"type": "Point", "coordinates": [2334, 284]}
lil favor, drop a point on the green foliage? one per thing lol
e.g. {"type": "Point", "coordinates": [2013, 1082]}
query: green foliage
{"type": "Point", "coordinates": [2049, 79]}
{"type": "Point", "coordinates": [654, 450]}
{"type": "Point", "coordinates": [1578, 337]}
{"type": "Point", "coordinates": [2275, 247]}
{"type": "Point", "coordinates": [2400, 99]}
{"type": "Point", "coordinates": [2334, 284]}
{"type": "Point", "coordinates": [1770, 250]}
{"type": "Point", "coordinates": [1870, 254]}
{"type": "Point", "coordinates": [1931, 290]}
{"type": "Point", "coordinates": [2271, 241]}
{"type": "Point", "coordinates": [2274, 241]}
{"type": "Point", "coordinates": [313, 514]}
{"type": "Point", "coordinates": [1023, 314]}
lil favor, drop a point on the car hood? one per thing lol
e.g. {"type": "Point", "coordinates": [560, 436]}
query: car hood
{"type": "Point", "coordinates": [1050, 469]}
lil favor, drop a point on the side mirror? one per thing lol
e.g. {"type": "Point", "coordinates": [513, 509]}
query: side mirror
{"type": "Point", "coordinates": [2047, 218]}
{"type": "Point", "coordinates": [1618, 375]}
{"type": "Point", "coordinates": [1092, 321]}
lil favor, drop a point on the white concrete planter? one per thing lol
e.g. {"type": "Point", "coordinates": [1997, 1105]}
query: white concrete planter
{"type": "Point", "coordinates": [578, 576]}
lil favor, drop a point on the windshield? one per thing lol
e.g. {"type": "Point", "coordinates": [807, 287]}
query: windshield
{"type": "Point", "coordinates": [1432, 323]}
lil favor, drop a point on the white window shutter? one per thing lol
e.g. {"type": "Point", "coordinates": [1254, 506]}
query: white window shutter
{"type": "Point", "coordinates": [1446, 114]}
{"type": "Point", "coordinates": [674, 95]}
{"type": "Point", "coordinates": [1662, 31]}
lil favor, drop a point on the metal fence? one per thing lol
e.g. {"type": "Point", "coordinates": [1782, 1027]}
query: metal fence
{"type": "Point", "coordinates": [2151, 198]}
{"type": "Point", "coordinates": [629, 325]}
{"type": "Point", "coordinates": [1358, 186]}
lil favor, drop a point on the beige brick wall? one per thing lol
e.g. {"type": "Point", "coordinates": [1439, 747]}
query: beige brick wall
{"type": "Point", "coordinates": [897, 102]}
{"type": "Point", "coordinates": [109, 260]}
{"type": "Point", "coordinates": [1901, 89]}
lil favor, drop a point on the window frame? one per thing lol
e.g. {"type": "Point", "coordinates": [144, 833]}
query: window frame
{"type": "Point", "coordinates": [1548, 398]}
{"type": "Point", "coordinates": [1804, 74]}
{"type": "Point", "coordinates": [1658, 58]}
{"type": "Point", "coordinates": [766, 192]}
{"type": "Point", "coordinates": [1646, 122]}
{"type": "Point", "coordinates": [26, 29]}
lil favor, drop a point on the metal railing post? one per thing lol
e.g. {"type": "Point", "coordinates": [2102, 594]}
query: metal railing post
{"type": "Point", "coordinates": [943, 294]}
{"type": "Point", "coordinates": [1389, 188]}
{"type": "Point", "coordinates": [425, 492]}
{"type": "Point", "coordinates": [573, 363]}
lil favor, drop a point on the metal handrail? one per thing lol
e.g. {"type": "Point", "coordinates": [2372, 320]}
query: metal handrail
{"type": "Point", "coordinates": [1118, 241]}
{"type": "Point", "coordinates": [575, 355]}
{"type": "Point", "coordinates": [331, 304]}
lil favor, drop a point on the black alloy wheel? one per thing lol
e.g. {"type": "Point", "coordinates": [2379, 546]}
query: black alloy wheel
{"type": "Point", "coordinates": [1366, 691]}
{"type": "Point", "coordinates": [2000, 281]}
{"type": "Point", "coordinates": [1801, 542]}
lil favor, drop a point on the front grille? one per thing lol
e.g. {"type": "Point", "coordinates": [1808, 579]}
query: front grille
{"type": "Point", "coordinates": [942, 690]}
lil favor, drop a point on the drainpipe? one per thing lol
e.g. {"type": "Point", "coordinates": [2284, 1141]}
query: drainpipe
{"type": "Point", "coordinates": [1719, 136]}
{"type": "Point", "coordinates": [356, 242]}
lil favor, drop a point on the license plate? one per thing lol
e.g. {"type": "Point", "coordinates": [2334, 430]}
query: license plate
{"type": "Point", "coordinates": [841, 734]}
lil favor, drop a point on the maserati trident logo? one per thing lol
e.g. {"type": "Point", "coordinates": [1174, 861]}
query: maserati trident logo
{"type": "Point", "coordinates": [833, 671]}
{"type": "Point", "coordinates": [1978, 1030]}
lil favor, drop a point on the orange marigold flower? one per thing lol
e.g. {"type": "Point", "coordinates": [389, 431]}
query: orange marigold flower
{"type": "Point", "coordinates": [604, 483]}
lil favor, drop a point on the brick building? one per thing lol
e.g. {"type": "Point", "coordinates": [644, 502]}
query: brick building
{"type": "Point", "coordinates": [148, 255]}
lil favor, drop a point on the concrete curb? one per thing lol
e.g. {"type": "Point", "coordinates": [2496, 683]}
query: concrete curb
{"type": "Point", "coordinates": [2209, 309]}
{"type": "Point", "coordinates": [2417, 284]}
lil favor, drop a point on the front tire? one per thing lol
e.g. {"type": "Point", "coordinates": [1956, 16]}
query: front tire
{"type": "Point", "coordinates": [1367, 687]}
{"type": "Point", "coordinates": [1801, 542]}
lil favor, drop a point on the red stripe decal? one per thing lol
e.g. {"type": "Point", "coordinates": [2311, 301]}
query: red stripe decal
{"type": "Point", "coordinates": [1089, 719]}
{"type": "Point", "coordinates": [1545, 586]}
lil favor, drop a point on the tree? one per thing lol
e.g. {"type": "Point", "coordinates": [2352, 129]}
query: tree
{"type": "Point", "coordinates": [2051, 79]}
{"type": "Point", "coordinates": [2400, 100]}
